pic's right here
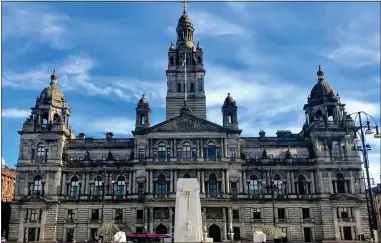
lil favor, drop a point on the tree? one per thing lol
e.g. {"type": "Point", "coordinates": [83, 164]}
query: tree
{"type": "Point", "coordinates": [274, 232]}
{"type": "Point", "coordinates": [108, 230]}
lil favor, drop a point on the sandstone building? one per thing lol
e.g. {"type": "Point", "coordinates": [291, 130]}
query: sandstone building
{"type": "Point", "coordinates": [68, 184]}
{"type": "Point", "coordinates": [8, 180]}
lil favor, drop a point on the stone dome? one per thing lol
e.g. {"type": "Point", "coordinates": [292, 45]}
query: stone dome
{"type": "Point", "coordinates": [143, 101]}
{"type": "Point", "coordinates": [185, 19]}
{"type": "Point", "coordinates": [322, 89]}
{"type": "Point", "coordinates": [229, 101]}
{"type": "Point", "coordinates": [52, 91]}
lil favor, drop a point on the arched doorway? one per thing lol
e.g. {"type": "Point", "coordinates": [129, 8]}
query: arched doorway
{"type": "Point", "coordinates": [161, 229]}
{"type": "Point", "coordinates": [215, 233]}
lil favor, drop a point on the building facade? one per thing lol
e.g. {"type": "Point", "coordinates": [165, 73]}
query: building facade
{"type": "Point", "coordinates": [68, 184]}
{"type": "Point", "coordinates": [8, 180]}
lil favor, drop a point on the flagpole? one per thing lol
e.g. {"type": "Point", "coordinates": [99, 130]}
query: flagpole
{"type": "Point", "coordinates": [185, 76]}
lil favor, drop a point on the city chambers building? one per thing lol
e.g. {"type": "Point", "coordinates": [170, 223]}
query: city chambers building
{"type": "Point", "coordinates": [308, 184]}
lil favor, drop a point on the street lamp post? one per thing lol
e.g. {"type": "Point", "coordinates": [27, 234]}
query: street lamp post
{"type": "Point", "coordinates": [362, 126]}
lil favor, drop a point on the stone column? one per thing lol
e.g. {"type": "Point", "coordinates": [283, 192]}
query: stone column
{"type": "Point", "coordinates": [170, 220]}
{"type": "Point", "coordinates": [293, 191]}
{"type": "Point", "coordinates": [21, 226]}
{"type": "Point", "coordinates": [336, 224]}
{"type": "Point", "coordinates": [238, 148]}
{"type": "Point", "coordinates": [198, 148]}
{"type": "Point", "coordinates": [202, 182]}
{"type": "Point", "coordinates": [223, 187]}
{"type": "Point", "coordinates": [289, 182]}
{"type": "Point", "coordinates": [222, 152]}
{"type": "Point", "coordinates": [147, 181]}
{"type": "Point", "coordinates": [202, 148]}
{"type": "Point", "coordinates": [42, 229]}
{"type": "Point", "coordinates": [199, 178]}
{"type": "Point", "coordinates": [321, 182]}
{"type": "Point", "coordinates": [240, 184]}
{"type": "Point", "coordinates": [227, 182]}
{"type": "Point", "coordinates": [151, 220]}
{"type": "Point", "coordinates": [226, 148]}
{"type": "Point", "coordinates": [224, 223]}
{"type": "Point", "coordinates": [312, 182]}
{"type": "Point", "coordinates": [358, 221]}
{"type": "Point", "coordinates": [230, 218]}
{"type": "Point", "coordinates": [204, 219]}
{"type": "Point", "coordinates": [330, 183]}
{"type": "Point", "coordinates": [63, 183]}
{"type": "Point", "coordinates": [351, 182]}
{"type": "Point", "coordinates": [146, 218]}
{"type": "Point", "coordinates": [174, 148]}
{"type": "Point", "coordinates": [151, 181]}
{"type": "Point", "coordinates": [133, 184]}
{"type": "Point", "coordinates": [175, 182]}
{"type": "Point", "coordinates": [84, 184]}
{"type": "Point", "coordinates": [172, 181]}
{"type": "Point", "coordinates": [244, 182]}
{"type": "Point", "coordinates": [130, 183]}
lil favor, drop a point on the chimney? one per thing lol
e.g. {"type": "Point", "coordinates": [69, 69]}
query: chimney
{"type": "Point", "coordinates": [262, 134]}
{"type": "Point", "coordinates": [81, 135]}
{"type": "Point", "coordinates": [109, 135]}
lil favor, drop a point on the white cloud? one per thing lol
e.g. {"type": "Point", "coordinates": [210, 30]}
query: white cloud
{"type": "Point", "coordinates": [15, 113]}
{"type": "Point", "coordinates": [354, 105]}
{"type": "Point", "coordinates": [207, 24]}
{"type": "Point", "coordinates": [358, 44]}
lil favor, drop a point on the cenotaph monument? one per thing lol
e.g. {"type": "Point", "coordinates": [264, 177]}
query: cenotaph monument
{"type": "Point", "coordinates": [188, 219]}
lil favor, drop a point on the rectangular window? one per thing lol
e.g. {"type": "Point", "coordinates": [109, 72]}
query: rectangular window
{"type": "Point", "coordinates": [343, 213]}
{"type": "Point", "coordinates": [306, 213]}
{"type": "Point", "coordinates": [347, 233]}
{"type": "Point", "coordinates": [118, 214]}
{"type": "Point", "coordinates": [284, 237]}
{"type": "Point", "coordinates": [94, 214]}
{"type": "Point", "coordinates": [94, 157]}
{"type": "Point", "coordinates": [237, 233]}
{"type": "Point", "coordinates": [169, 153]}
{"type": "Point", "coordinates": [295, 156]}
{"type": "Point", "coordinates": [33, 234]}
{"type": "Point", "coordinates": [194, 153]}
{"type": "Point", "coordinates": [154, 153]}
{"type": "Point", "coordinates": [80, 158]}
{"type": "Point", "coordinates": [232, 153]}
{"type": "Point", "coordinates": [139, 230]}
{"type": "Point", "coordinates": [34, 215]}
{"type": "Point", "coordinates": [304, 156]}
{"type": "Point", "coordinates": [103, 157]}
{"type": "Point", "coordinates": [93, 233]}
{"type": "Point", "coordinates": [307, 234]}
{"type": "Point", "coordinates": [234, 190]}
{"type": "Point", "coordinates": [247, 156]}
{"type": "Point", "coordinates": [235, 214]}
{"type": "Point", "coordinates": [117, 157]}
{"type": "Point", "coordinates": [281, 213]}
{"type": "Point", "coordinates": [139, 214]}
{"type": "Point", "coordinates": [271, 156]}
{"type": "Point", "coordinates": [70, 215]}
{"type": "Point", "coordinates": [141, 154]}
{"type": "Point", "coordinates": [256, 156]}
{"type": "Point", "coordinates": [179, 154]}
{"type": "Point", "coordinates": [140, 188]}
{"type": "Point", "coordinates": [256, 213]}
{"type": "Point", "coordinates": [33, 152]}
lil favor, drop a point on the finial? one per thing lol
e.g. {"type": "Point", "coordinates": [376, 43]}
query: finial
{"type": "Point", "coordinates": [53, 77]}
{"type": "Point", "coordinates": [320, 74]}
{"type": "Point", "coordinates": [185, 6]}
{"type": "Point", "coordinates": [319, 68]}
{"type": "Point", "coordinates": [144, 95]}
{"type": "Point", "coordinates": [228, 94]}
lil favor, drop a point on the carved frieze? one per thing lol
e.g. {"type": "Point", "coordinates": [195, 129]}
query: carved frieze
{"type": "Point", "coordinates": [192, 173]}
{"type": "Point", "coordinates": [187, 123]}
{"type": "Point", "coordinates": [207, 173]}
{"type": "Point", "coordinates": [214, 213]}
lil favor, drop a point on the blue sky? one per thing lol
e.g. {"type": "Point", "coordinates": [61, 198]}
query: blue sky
{"type": "Point", "coordinates": [265, 54]}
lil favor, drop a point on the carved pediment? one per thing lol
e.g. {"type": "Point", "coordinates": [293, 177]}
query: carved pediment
{"type": "Point", "coordinates": [187, 123]}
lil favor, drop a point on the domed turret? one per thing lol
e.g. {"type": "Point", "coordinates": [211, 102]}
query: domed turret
{"type": "Point", "coordinates": [185, 30]}
{"type": "Point", "coordinates": [229, 101]}
{"type": "Point", "coordinates": [143, 112]}
{"type": "Point", "coordinates": [322, 90]}
{"type": "Point", "coordinates": [229, 113]}
{"type": "Point", "coordinates": [52, 91]}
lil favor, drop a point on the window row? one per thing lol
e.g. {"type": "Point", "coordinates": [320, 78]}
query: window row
{"type": "Point", "coordinates": [281, 213]}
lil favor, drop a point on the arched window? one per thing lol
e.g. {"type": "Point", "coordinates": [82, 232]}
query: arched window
{"type": "Point", "coordinates": [161, 185]}
{"type": "Point", "coordinates": [178, 87]}
{"type": "Point", "coordinates": [120, 186]}
{"type": "Point", "coordinates": [142, 119]}
{"type": "Point", "coordinates": [212, 151]}
{"type": "Point", "coordinates": [253, 185]}
{"type": "Point", "coordinates": [187, 176]}
{"type": "Point", "coordinates": [301, 185]}
{"type": "Point", "coordinates": [44, 119]}
{"type": "Point", "coordinates": [74, 187]}
{"type": "Point", "coordinates": [230, 118]}
{"type": "Point", "coordinates": [192, 89]}
{"type": "Point", "coordinates": [212, 185]}
{"type": "Point", "coordinates": [98, 186]}
{"type": "Point", "coordinates": [340, 183]}
{"type": "Point", "coordinates": [40, 150]}
{"type": "Point", "coordinates": [277, 185]}
{"type": "Point", "coordinates": [162, 151]}
{"type": "Point", "coordinates": [187, 154]}
{"type": "Point", "coordinates": [37, 186]}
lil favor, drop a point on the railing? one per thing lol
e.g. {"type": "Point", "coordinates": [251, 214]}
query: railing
{"type": "Point", "coordinates": [276, 161]}
{"type": "Point", "coordinates": [90, 142]}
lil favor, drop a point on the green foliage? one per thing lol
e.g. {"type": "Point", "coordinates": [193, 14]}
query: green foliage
{"type": "Point", "coordinates": [274, 232]}
{"type": "Point", "coordinates": [108, 230]}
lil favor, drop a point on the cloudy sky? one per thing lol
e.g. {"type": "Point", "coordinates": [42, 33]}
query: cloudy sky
{"type": "Point", "coordinates": [265, 54]}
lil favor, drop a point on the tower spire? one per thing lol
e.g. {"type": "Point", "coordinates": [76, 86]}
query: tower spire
{"type": "Point", "coordinates": [184, 6]}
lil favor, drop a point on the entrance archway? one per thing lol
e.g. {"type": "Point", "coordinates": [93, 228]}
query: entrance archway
{"type": "Point", "coordinates": [215, 233]}
{"type": "Point", "coordinates": [161, 229]}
